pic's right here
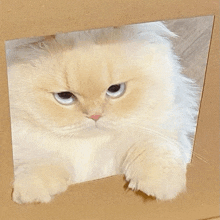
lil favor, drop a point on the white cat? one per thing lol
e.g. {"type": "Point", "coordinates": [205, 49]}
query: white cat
{"type": "Point", "coordinates": [91, 104]}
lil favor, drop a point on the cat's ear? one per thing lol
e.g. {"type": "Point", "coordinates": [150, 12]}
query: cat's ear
{"type": "Point", "coordinates": [49, 37]}
{"type": "Point", "coordinates": [24, 50]}
{"type": "Point", "coordinates": [13, 44]}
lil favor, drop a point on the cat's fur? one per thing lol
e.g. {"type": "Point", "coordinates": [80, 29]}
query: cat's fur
{"type": "Point", "coordinates": [143, 134]}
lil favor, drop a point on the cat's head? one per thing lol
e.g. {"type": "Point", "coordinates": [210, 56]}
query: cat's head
{"type": "Point", "coordinates": [74, 87]}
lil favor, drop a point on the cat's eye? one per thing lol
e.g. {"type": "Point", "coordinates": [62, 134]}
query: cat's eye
{"type": "Point", "coordinates": [116, 90]}
{"type": "Point", "coordinates": [65, 98]}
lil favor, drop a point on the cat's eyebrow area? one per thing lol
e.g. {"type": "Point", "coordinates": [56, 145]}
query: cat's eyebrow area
{"type": "Point", "coordinates": [74, 92]}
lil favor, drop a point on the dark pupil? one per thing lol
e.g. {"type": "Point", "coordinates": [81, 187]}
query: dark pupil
{"type": "Point", "coordinates": [114, 88]}
{"type": "Point", "coordinates": [65, 95]}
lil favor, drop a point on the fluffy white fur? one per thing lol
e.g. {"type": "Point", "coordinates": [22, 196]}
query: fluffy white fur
{"type": "Point", "coordinates": [143, 134]}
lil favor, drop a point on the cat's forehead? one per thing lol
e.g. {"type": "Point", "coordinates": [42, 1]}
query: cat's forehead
{"type": "Point", "coordinates": [93, 69]}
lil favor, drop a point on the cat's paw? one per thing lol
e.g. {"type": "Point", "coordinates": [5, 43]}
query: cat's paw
{"type": "Point", "coordinates": [157, 174]}
{"type": "Point", "coordinates": [40, 186]}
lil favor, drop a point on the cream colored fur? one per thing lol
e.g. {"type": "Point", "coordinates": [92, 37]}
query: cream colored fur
{"type": "Point", "coordinates": [143, 134]}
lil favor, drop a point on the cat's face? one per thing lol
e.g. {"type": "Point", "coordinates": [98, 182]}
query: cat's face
{"type": "Point", "coordinates": [65, 89]}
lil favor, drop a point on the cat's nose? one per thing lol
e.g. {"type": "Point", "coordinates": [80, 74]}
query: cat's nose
{"type": "Point", "coordinates": [95, 117]}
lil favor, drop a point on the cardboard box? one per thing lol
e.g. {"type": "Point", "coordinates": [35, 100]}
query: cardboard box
{"type": "Point", "coordinates": [106, 198]}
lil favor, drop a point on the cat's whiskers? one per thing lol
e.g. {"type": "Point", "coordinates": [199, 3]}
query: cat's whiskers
{"type": "Point", "coordinates": [200, 157]}
{"type": "Point", "coordinates": [116, 124]}
{"type": "Point", "coordinates": [170, 140]}
{"type": "Point", "coordinates": [160, 135]}
{"type": "Point", "coordinates": [70, 131]}
{"type": "Point", "coordinates": [157, 133]}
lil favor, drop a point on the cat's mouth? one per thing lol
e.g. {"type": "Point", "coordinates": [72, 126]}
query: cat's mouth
{"type": "Point", "coordinates": [91, 131]}
{"type": "Point", "coordinates": [88, 128]}
{"type": "Point", "coordinates": [95, 128]}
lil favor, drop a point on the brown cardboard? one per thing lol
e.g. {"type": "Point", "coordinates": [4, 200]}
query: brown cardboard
{"type": "Point", "coordinates": [106, 198]}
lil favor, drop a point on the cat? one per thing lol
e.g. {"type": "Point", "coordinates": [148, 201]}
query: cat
{"type": "Point", "coordinates": [91, 104]}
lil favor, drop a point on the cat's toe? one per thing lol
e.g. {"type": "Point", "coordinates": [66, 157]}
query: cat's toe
{"type": "Point", "coordinates": [166, 191]}
{"type": "Point", "coordinates": [163, 178]}
{"type": "Point", "coordinates": [163, 186]}
{"type": "Point", "coordinates": [29, 190]}
{"type": "Point", "coordinates": [41, 184]}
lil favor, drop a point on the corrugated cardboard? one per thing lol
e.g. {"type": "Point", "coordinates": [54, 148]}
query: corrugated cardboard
{"type": "Point", "coordinates": [106, 198]}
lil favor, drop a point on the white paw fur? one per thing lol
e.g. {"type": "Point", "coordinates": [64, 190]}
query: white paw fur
{"type": "Point", "coordinates": [156, 172]}
{"type": "Point", "coordinates": [40, 185]}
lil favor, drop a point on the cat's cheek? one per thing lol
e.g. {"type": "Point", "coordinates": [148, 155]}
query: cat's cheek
{"type": "Point", "coordinates": [53, 114]}
{"type": "Point", "coordinates": [126, 105]}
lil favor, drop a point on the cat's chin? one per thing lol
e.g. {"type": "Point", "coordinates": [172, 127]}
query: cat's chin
{"type": "Point", "coordinates": [94, 130]}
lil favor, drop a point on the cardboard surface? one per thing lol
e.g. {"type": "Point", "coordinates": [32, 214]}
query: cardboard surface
{"type": "Point", "coordinates": [106, 198]}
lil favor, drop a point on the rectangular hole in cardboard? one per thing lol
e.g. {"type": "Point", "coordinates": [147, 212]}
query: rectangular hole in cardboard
{"type": "Point", "coordinates": [49, 79]}
{"type": "Point", "coordinates": [129, 194]}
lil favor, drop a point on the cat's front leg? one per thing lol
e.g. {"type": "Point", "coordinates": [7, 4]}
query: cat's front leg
{"type": "Point", "coordinates": [39, 182]}
{"type": "Point", "coordinates": [157, 169]}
